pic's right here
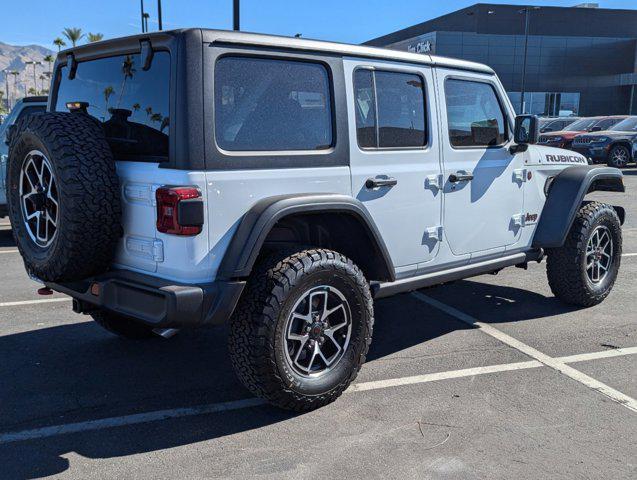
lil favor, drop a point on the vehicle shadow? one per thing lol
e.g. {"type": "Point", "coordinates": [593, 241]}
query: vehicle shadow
{"type": "Point", "coordinates": [77, 372]}
{"type": "Point", "coordinates": [6, 237]}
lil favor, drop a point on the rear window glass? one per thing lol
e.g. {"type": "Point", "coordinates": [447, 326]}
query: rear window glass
{"type": "Point", "coordinates": [272, 105]}
{"type": "Point", "coordinates": [132, 103]}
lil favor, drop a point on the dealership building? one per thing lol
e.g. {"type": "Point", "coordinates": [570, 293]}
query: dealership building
{"type": "Point", "coordinates": [567, 60]}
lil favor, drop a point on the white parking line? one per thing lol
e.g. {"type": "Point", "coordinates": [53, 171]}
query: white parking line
{"type": "Point", "coordinates": [629, 254]}
{"type": "Point", "coordinates": [32, 302]}
{"type": "Point", "coordinates": [93, 425]}
{"type": "Point", "coordinates": [554, 363]}
{"type": "Point", "coordinates": [10, 250]}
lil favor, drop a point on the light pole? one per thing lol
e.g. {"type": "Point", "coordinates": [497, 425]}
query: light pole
{"type": "Point", "coordinates": [34, 63]}
{"type": "Point", "coordinates": [146, 16]}
{"type": "Point", "coordinates": [6, 83]}
{"type": "Point", "coordinates": [236, 10]}
{"type": "Point", "coordinates": [527, 19]}
{"type": "Point", "coordinates": [142, 13]}
{"type": "Point", "coordinates": [15, 74]}
{"type": "Point", "coordinates": [159, 13]}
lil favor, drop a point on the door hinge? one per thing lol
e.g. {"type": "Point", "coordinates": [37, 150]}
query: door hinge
{"type": "Point", "coordinates": [433, 181]}
{"type": "Point", "coordinates": [519, 175]}
{"type": "Point", "coordinates": [434, 233]}
{"type": "Point", "coordinates": [518, 220]}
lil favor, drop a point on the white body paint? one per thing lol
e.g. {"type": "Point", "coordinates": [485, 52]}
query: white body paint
{"type": "Point", "coordinates": [492, 216]}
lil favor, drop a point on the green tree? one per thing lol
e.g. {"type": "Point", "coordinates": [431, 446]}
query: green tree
{"type": "Point", "coordinates": [49, 59]}
{"type": "Point", "coordinates": [58, 42]}
{"type": "Point", "coordinates": [94, 37]}
{"type": "Point", "coordinates": [73, 34]}
{"type": "Point", "coordinates": [32, 91]}
{"type": "Point", "coordinates": [2, 109]}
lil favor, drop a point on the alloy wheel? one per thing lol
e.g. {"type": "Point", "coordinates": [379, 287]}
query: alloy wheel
{"type": "Point", "coordinates": [599, 254]}
{"type": "Point", "coordinates": [317, 332]}
{"type": "Point", "coordinates": [39, 198]}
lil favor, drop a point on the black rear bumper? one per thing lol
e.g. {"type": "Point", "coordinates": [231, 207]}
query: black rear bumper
{"type": "Point", "coordinates": [154, 301]}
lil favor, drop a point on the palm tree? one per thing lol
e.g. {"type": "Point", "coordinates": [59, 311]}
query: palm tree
{"type": "Point", "coordinates": [136, 107]}
{"type": "Point", "coordinates": [42, 79]}
{"type": "Point", "coordinates": [149, 111]}
{"type": "Point", "coordinates": [49, 59]}
{"type": "Point", "coordinates": [156, 117]}
{"type": "Point", "coordinates": [73, 34]}
{"type": "Point", "coordinates": [32, 91]}
{"type": "Point", "coordinates": [94, 37]}
{"type": "Point", "coordinates": [58, 42]}
{"type": "Point", "coordinates": [128, 69]}
{"type": "Point", "coordinates": [108, 91]}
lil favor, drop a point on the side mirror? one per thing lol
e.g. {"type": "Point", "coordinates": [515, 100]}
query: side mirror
{"type": "Point", "coordinates": [525, 131]}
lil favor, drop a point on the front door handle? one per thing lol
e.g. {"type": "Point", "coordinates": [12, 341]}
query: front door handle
{"type": "Point", "coordinates": [377, 182]}
{"type": "Point", "coordinates": [460, 177]}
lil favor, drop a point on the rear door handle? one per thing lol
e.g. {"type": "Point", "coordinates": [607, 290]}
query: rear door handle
{"type": "Point", "coordinates": [460, 177]}
{"type": "Point", "coordinates": [377, 182]}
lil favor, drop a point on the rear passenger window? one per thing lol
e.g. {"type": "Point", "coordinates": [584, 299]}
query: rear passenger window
{"type": "Point", "coordinates": [272, 105]}
{"type": "Point", "coordinates": [390, 109]}
{"type": "Point", "coordinates": [474, 114]}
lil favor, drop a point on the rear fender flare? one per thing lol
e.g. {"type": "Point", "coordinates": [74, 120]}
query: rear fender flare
{"type": "Point", "coordinates": [256, 224]}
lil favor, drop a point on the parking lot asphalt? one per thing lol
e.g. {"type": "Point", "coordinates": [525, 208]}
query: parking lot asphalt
{"type": "Point", "coordinates": [490, 377]}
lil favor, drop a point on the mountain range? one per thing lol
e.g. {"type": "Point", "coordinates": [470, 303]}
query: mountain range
{"type": "Point", "coordinates": [14, 58]}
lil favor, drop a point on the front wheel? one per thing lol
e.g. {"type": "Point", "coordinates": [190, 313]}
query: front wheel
{"type": "Point", "coordinates": [619, 156]}
{"type": "Point", "coordinates": [302, 328]}
{"type": "Point", "coordinates": [583, 271]}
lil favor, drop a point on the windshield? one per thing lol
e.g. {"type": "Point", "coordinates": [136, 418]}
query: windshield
{"type": "Point", "coordinates": [627, 125]}
{"type": "Point", "coordinates": [583, 124]}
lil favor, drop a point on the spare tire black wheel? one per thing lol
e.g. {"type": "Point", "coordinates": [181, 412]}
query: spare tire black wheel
{"type": "Point", "coordinates": [63, 195]}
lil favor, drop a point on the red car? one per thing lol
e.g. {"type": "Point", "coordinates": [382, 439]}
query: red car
{"type": "Point", "coordinates": [564, 138]}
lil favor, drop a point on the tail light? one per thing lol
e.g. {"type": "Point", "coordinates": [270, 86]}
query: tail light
{"type": "Point", "coordinates": [179, 210]}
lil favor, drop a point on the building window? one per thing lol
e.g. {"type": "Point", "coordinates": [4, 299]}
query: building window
{"type": "Point", "coordinates": [390, 109]}
{"type": "Point", "coordinates": [550, 104]}
{"type": "Point", "coordinates": [272, 105]}
{"type": "Point", "coordinates": [474, 114]}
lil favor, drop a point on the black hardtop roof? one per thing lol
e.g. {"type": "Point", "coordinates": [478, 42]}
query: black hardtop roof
{"type": "Point", "coordinates": [122, 44]}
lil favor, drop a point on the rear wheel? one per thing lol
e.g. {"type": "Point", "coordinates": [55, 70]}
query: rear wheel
{"type": "Point", "coordinates": [583, 271]}
{"type": "Point", "coordinates": [302, 328]}
{"type": "Point", "coordinates": [619, 156]}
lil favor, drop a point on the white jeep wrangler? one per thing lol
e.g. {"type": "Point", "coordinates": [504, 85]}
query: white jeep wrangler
{"type": "Point", "coordinates": [192, 177]}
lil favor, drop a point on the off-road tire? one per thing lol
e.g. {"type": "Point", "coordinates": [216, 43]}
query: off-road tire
{"type": "Point", "coordinates": [123, 326]}
{"type": "Point", "coordinates": [256, 340]}
{"type": "Point", "coordinates": [566, 265]}
{"type": "Point", "coordinates": [611, 157]}
{"type": "Point", "coordinates": [88, 190]}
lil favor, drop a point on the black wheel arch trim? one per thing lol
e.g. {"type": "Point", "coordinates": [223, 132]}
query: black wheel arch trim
{"type": "Point", "coordinates": [256, 224]}
{"type": "Point", "coordinates": [565, 197]}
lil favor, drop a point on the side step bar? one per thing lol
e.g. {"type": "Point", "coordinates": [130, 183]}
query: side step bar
{"type": "Point", "coordinates": [380, 290]}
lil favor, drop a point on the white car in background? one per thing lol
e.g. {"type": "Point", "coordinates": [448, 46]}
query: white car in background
{"type": "Point", "coordinates": [24, 106]}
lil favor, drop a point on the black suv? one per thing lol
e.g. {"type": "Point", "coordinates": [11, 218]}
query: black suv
{"type": "Point", "coordinates": [616, 146]}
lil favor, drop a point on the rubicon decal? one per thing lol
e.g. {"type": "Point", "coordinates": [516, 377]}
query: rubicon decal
{"type": "Point", "coordinates": [564, 159]}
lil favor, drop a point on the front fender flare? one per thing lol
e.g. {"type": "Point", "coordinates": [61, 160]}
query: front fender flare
{"type": "Point", "coordinates": [565, 197]}
{"type": "Point", "coordinates": [255, 225]}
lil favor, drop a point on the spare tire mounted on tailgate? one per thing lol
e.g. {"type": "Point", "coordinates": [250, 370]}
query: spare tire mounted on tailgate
{"type": "Point", "coordinates": [63, 192]}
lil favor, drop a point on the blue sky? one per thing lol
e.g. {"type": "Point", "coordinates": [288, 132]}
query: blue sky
{"type": "Point", "coordinates": [352, 21]}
